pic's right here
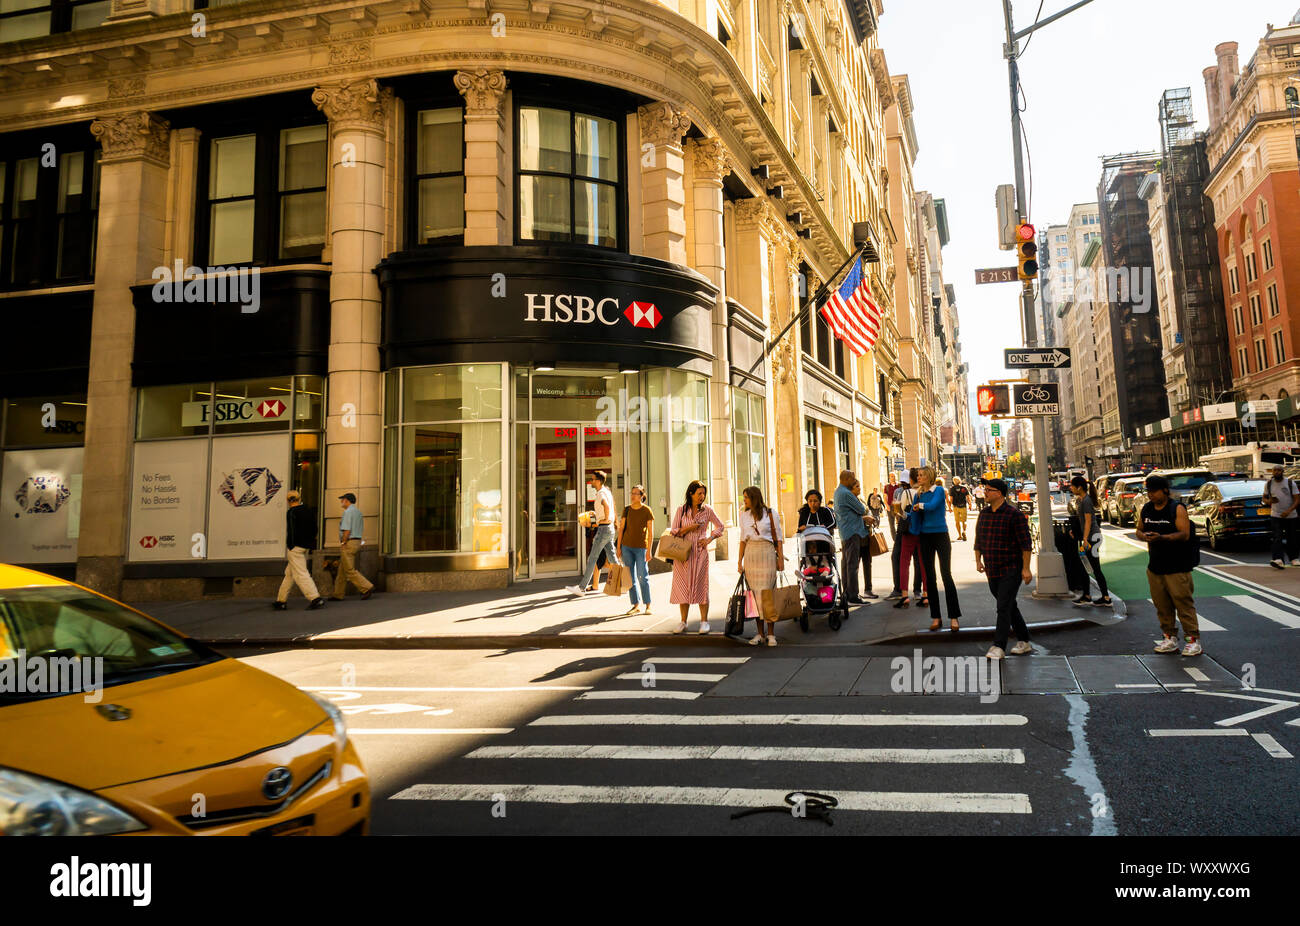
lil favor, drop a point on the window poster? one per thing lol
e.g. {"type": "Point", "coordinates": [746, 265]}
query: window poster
{"type": "Point", "coordinates": [247, 484]}
{"type": "Point", "coordinates": [40, 504]}
{"type": "Point", "coordinates": [167, 492]}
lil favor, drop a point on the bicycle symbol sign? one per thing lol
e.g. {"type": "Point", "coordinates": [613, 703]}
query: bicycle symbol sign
{"type": "Point", "coordinates": [1036, 400]}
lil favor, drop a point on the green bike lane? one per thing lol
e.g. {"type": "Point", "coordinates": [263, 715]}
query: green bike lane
{"type": "Point", "coordinates": [1125, 566]}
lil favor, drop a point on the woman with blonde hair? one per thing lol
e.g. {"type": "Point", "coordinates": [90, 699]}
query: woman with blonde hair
{"type": "Point", "coordinates": [761, 555]}
{"type": "Point", "coordinates": [931, 505]}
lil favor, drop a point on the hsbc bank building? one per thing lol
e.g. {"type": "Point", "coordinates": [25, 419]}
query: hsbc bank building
{"type": "Point", "coordinates": [392, 252]}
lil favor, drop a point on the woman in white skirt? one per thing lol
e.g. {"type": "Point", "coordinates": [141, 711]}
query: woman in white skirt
{"type": "Point", "coordinates": [761, 555]}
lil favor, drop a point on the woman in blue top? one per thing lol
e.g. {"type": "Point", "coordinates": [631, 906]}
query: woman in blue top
{"type": "Point", "coordinates": [930, 520]}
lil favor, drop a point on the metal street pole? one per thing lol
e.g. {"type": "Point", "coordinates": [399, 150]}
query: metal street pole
{"type": "Point", "coordinates": [1052, 582]}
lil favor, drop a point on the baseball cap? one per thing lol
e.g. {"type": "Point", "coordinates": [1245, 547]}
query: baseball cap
{"type": "Point", "coordinates": [349, 496]}
{"type": "Point", "coordinates": [998, 484]}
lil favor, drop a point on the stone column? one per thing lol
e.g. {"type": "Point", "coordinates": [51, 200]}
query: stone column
{"type": "Point", "coordinates": [663, 196]}
{"type": "Point", "coordinates": [129, 245]}
{"type": "Point", "coordinates": [709, 160]}
{"type": "Point", "coordinates": [357, 113]}
{"type": "Point", "coordinates": [488, 206]}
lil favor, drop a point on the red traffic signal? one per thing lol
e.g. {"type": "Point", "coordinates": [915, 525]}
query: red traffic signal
{"type": "Point", "coordinates": [1025, 232]}
{"type": "Point", "coordinates": [993, 400]}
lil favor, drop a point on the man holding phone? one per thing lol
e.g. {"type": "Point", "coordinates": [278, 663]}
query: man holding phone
{"type": "Point", "coordinates": [1282, 497]}
{"type": "Point", "coordinates": [1173, 553]}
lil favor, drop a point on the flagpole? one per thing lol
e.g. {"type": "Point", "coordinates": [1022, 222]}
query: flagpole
{"type": "Point", "coordinates": [804, 308]}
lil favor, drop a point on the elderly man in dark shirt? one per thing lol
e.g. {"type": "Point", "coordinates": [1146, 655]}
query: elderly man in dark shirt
{"type": "Point", "coordinates": [1002, 551]}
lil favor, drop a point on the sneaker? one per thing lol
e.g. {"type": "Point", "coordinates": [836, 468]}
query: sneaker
{"type": "Point", "coordinates": [1167, 645]}
{"type": "Point", "coordinates": [1192, 648]}
{"type": "Point", "coordinates": [645, 609]}
{"type": "Point", "coordinates": [316, 603]}
{"type": "Point", "coordinates": [1082, 600]}
{"type": "Point", "coordinates": [704, 628]}
{"type": "Point", "coordinates": [894, 594]}
{"type": "Point", "coordinates": [995, 652]}
{"type": "Point", "coordinates": [1021, 648]}
{"type": "Point", "coordinates": [756, 640]}
{"type": "Point", "coordinates": [1102, 602]}
{"type": "Point", "coordinates": [635, 609]}
{"type": "Point", "coordinates": [680, 628]}
{"type": "Point", "coordinates": [365, 596]}
{"type": "Point", "coordinates": [771, 640]}
{"type": "Point", "coordinates": [279, 605]}
{"type": "Point", "coordinates": [1276, 564]}
{"type": "Point", "coordinates": [869, 594]}
{"type": "Point", "coordinates": [576, 590]}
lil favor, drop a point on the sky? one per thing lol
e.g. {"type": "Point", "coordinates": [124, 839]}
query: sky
{"type": "Point", "coordinates": [1092, 84]}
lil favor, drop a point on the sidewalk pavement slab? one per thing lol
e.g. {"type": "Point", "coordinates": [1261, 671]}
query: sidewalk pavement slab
{"type": "Point", "coordinates": [543, 613]}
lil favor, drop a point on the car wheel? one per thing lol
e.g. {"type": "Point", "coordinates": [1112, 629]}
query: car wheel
{"type": "Point", "coordinates": [1216, 543]}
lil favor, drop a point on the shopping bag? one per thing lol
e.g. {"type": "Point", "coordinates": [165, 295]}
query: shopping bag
{"type": "Point", "coordinates": [618, 580]}
{"type": "Point", "coordinates": [785, 602]}
{"type": "Point", "coordinates": [735, 625]}
{"type": "Point", "coordinates": [674, 548]}
{"type": "Point", "coordinates": [751, 605]}
{"type": "Point", "coordinates": [879, 543]}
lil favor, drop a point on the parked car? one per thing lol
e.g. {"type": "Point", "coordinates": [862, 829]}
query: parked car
{"type": "Point", "coordinates": [1118, 509]}
{"type": "Point", "coordinates": [1183, 485]}
{"type": "Point", "coordinates": [1226, 510]}
{"type": "Point", "coordinates": [1105, 485]}
{"type": "Point", "coordinates": [165, 720]}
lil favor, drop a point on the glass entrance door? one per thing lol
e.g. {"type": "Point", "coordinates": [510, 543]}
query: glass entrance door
{"type": "Point", "coordinates": [558, 497]}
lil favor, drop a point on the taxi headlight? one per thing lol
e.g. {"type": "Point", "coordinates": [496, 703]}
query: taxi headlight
{"type": "Point", "coordinates": [34, 806]}
{"type": "Point", "coordinates": [336, 715]}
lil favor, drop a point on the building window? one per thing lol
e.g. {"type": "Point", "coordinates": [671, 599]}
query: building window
{"type": "Point", "coordinates": [1256, 314]}
{"type": "Point", "coordinates": [569, 184]}
{"type": "Point", "coordinates": [1261, 355]}
{"type": "Point", "coordinates": [1234, 285]}
{"type": "Point", "coordinates": [1237, 319]}
{"type": "Point", "coordinates": [1251, 272]}
{"type": "Point", "coordinates": [443, 443]}
{"type": "Point", "coordinates": [1263, 212]}
{"type": "Point", "coordinates": [263, 199]}
{"type": "Point", "coordinates": [749, 442]}
{"type": "Point", "coordinates": [1279, 352]}
{"type": "Point", "coordinates": [842, 455]}
{"type": "Point", "coordinates": [48, 219]}
{"type": "Point", "coordinates": [1243, 366]}
{"type": "Point", "coordinates": [436, 198]}
{"type": "Point", "coordinates": [28, 19]}
{"type": "Point", "coordinates": [811, 469]}
{"type": "Point", "coordinates": [1273, 307]}
{"type": "Point", "coordinates": [1268, 254]}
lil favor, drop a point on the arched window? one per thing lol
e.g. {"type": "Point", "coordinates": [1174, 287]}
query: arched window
{"type": "Point", "coordinates": [1264, 397]}
{"type": "Point", "coordinates": [1283, 394]}
{"type": "Point", "coordinates": [1245, 228]}
{"type": "Point", "coordinates": [1263, 212]}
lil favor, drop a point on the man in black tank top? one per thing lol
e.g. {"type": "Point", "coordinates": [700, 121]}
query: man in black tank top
{"type": "Point", "coordinates": [1171, 543]}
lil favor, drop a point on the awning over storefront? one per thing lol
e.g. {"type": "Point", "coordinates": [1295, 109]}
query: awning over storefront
{"type": "Point", "coordinates": [182, 335]}
{"type": "Point", "coordinates": [534, 304]}
{"type": "Point", "coordinates": [49, 352]}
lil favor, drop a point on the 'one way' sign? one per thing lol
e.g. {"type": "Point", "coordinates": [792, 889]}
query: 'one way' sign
{"type": "Point", "coordinates": [1036, 358]}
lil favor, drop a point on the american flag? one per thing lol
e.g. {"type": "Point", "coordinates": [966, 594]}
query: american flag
{"type": "Point", "coordinates": [851, 314]}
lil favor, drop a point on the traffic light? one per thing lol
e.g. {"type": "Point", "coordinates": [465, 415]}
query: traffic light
{"type": "Point", "coordinates": [993, 400]}
{"type": "Point", "coordinates": [1027, 251]}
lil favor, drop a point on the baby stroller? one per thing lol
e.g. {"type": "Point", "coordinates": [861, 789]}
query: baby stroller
{"type": "Point", "coordinates": [819, 578]}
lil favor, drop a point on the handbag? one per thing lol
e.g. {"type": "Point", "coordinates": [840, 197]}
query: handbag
{"type": "Point", "coordinates": [785, 602]}
{"type": "Point", "coordinates": [671, 547]}
{"type": "Point", "coordinates": [736, 609]}
{"type": "Point", "coordinates": [879, 543]}
{"type": "Point", "coordinates": [618, 580]}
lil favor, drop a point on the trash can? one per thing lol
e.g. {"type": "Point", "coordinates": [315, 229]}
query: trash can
{"type": "Point", "coordinates": [1068, 547]}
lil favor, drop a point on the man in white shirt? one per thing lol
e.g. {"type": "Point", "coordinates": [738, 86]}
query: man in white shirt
{"type": "Point", "coordinates": [1282, 496]}
{"type": "Point", "coordinates": [604, 539]}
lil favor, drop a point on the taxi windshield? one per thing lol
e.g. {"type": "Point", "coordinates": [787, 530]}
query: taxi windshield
{"type": "Point", "coordinates": [66, 623]}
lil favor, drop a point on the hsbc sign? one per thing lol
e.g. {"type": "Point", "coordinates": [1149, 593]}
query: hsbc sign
{"type": "Point", "coordinates": [234, 410]}
{"type": "Point", "coordinates": [584, 310]}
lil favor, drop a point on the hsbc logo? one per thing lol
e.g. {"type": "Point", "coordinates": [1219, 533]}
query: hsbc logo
{"type": "Point", "coordinates": [148, 542]}
{"type": "Point", "coordinates": [271, 408]}
{"type": "Point", "coordinates": [583, 310]}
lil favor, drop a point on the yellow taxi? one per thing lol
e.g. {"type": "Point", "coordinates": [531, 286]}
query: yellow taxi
{"type": "Point", "coordinates": [111, 722]}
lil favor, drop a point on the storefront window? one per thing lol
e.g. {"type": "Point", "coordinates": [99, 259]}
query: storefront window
{"type": "Point", "coordinates": [250, 406]}
{"type": "Point", "coordinates": [563, 397]}
{"type": "Point", "coordinates": [58, 421]}
{"type": "Point", "coordinates": [40, 479]}
{"type": "Point", "coordinates": [749, 442]}
{"type": "Point", "coordinates": [678, 436]}
{"type": "Point", "coordinates": [447, 482]}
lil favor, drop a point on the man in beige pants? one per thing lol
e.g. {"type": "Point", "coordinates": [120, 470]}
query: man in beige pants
{"type": "Point", "coordinates": [299, 540]}
{"type": "Point", "coordinates": [349, 547]}
{"type": "Point", "coordinates": [1173, 554]}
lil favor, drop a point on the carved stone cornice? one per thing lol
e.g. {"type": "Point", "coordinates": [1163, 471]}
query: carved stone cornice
{"type": "Point", "coordinates": [663, 124]}
{"type": "Point", "coordinates": [710, 159]}
{"type": "Point", "coordinates": [133, 136]}
{"type": "Point", "coordinates": [751, 213]}
{"type": "Point", "coordinates": [880, 75]}
{"type": "Point", "coordinates": [345, 53]}
{"type": "Point", "coordinates": [483, 90]}
{"type": "Point", "coordinates": [354, 103]}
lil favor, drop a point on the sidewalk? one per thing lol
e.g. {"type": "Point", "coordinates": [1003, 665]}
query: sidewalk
{"type": "Point", "coordinates": [542, 613]}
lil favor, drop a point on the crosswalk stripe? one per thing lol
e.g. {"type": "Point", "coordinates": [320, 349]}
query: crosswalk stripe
{"type": "Point", "coordinates": [1205, 624]}
{"type": "Point", "coordinates": [878, 801]}
{"type": "Point", "coordinates": [808, 720]}
{"type": "Point", "coordinates": [1250, 603]}
{"type": "Point", "coordinates": [1196, 673]}
{"type": "Point", "coordinates": [1274, 748]}
{"type": "Point", "coordinates": [675, 676]}
{"type": "Point", "coordinates": [755, 754]}
{"type": "Point", "coordinates": [430, 731]}
{"type": "Point", "coordinates": [646, 693]}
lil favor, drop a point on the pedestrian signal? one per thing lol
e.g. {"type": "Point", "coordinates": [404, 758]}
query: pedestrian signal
{"type": "Point", "coordinates": [1027, 252]}
{"type": "Point", "coordinates": [993, 400]}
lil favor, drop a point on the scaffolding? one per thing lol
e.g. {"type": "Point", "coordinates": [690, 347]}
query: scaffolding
{"type": "Point", "coordinates": [1128, 261]}
{"type": "Point", "coordinates": [1198, 304]}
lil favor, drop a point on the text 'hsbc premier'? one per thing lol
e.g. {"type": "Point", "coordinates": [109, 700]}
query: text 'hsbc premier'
{"type": "Point", "coordinates": [584, 310]}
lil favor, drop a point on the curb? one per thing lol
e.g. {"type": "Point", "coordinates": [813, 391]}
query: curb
{"type": "Point", "coordinates": [483, 641]}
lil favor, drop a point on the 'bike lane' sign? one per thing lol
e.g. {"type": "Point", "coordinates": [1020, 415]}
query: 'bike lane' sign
{"type": "Point", "coordinates": [1035, 400]}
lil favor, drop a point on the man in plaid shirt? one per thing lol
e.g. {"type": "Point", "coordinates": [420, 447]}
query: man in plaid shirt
{"type": "Point", "coordinates": [1002, 552]}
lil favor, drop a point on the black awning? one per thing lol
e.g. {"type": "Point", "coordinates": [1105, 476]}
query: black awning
{"type": "Point", "coordinates": [47, 351]}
